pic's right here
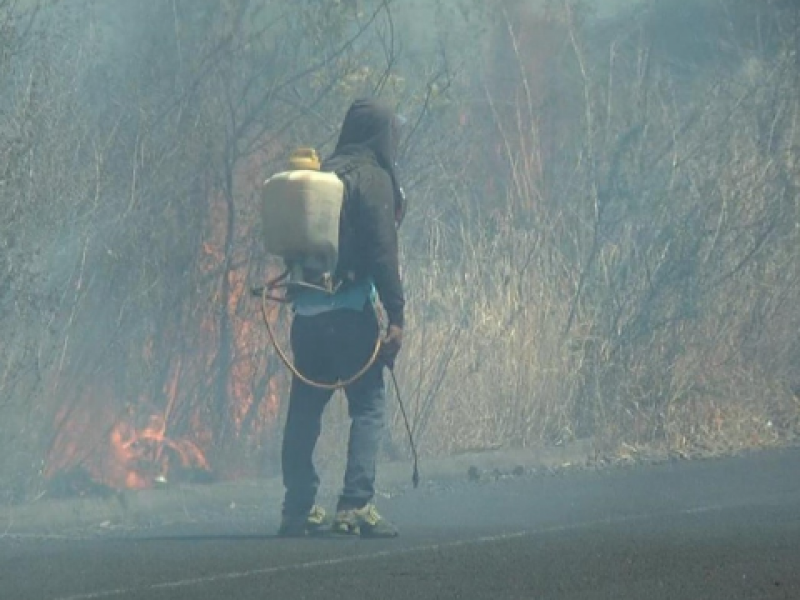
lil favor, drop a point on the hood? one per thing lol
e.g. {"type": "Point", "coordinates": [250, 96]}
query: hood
{"type": "Point", "coordinates": [370, 124]}
{"type": "Point", "coordinates": [373, 126]}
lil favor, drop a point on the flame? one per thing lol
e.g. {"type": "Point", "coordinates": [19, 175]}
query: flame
{"type": "Point", "coordinates": [113, 450]}
{"type": "Point", "coordinates": [142, 456]}
{"type": "Point", "coordinates": [172, 433]}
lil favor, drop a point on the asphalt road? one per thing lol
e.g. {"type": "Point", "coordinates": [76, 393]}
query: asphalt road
{"type": "Point", "coordinates": [713, 530]}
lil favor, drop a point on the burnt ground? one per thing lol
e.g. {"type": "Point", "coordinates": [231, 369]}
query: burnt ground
{"type": "Point", "coordinates": [720, 529]}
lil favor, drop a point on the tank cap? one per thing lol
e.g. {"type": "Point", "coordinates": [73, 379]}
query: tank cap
{"type": "Point", "coordinates": [304, 158]}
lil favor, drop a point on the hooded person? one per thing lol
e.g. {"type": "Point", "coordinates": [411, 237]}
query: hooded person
{"type": "Point", "coordinates": [334, 335]}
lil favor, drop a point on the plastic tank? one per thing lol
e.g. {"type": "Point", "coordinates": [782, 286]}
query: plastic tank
{"type": "Point", "coordinates": [300, 211]}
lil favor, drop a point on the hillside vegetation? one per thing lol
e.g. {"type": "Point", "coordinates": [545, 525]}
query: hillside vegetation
{"type": "Point", "coordinates": [603, 238]}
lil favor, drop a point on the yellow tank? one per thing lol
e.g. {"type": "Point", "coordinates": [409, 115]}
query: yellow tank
{"type": "Point", "coordinates": [300, 210]}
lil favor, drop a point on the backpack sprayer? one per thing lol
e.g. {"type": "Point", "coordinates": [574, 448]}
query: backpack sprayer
{"type": "Point", "coordinates": [300, 214]}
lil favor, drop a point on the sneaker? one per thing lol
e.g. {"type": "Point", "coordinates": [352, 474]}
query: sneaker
{"type": "Point", "coordinates": [302, 525]}
{"type": "Point", "coordinates": [366, 522]}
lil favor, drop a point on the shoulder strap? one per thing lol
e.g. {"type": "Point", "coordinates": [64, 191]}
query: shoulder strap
{"type": "Point", "coordinates": [345, 170]}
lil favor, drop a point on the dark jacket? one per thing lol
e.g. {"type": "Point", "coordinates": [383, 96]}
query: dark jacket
{"type": "Point", "coordinates": [364, 158]}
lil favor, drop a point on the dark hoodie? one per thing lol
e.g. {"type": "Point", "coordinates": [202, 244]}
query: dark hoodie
{"type": "Point", "coordinates": [364, 158]}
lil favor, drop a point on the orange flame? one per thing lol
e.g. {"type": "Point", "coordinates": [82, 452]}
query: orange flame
{"type": "Point", "coordinates": [140, 457]}
{"type": "Point", "coordinates": [151, 441]}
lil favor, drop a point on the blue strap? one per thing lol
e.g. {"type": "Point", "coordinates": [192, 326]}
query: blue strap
{"type": "Point", "coordinates": [351, 296]}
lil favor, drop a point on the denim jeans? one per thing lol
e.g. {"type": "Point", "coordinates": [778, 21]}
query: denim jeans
{"type": "Point", "coordinates": [331, 347]}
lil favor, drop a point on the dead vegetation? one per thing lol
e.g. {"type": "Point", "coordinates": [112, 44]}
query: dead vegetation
{"type": "Point", "coordinates": [602, 245]}
{"type": "Point", "coordinates": [637, 281]}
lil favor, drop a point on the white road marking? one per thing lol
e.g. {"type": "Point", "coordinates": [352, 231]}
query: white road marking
{"type": "Point", "coordinates": [489, 539]}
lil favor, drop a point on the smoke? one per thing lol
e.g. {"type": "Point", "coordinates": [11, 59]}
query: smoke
{"type": "Point", "coordinates": [133, 138]}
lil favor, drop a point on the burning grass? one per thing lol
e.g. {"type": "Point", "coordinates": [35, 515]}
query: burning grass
{"type": "Point", "coordinates": [603, 245]}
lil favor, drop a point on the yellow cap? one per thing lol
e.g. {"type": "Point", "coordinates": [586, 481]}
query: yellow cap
{"type": "Point", "coordinates": [304, 158]}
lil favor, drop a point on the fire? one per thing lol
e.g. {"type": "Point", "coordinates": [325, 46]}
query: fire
{"type": "Point", "coordinates": [142, 444]}
{"type": "Point", "coordinates": [143, 456]}
{"type": "Point", "coordinates": [116, 452]}
{"type": "Point", "coordinates": [220, 385]}
{"type": "Point", "coordinates": [138, 456]}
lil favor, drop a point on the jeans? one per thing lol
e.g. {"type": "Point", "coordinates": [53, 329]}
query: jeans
{"type": "Point", "coordinates": [332, 347]}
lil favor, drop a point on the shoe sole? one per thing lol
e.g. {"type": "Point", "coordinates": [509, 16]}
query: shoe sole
{"type": "Point", "coordinates": [316, 531]}
{"type": "Point", "coordinates": [362, 533]}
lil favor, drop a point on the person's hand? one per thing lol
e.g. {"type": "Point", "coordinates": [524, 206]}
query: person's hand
{"type": "Point", "coordinates": [391, 345]}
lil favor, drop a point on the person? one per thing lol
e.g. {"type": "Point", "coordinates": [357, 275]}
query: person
{"type": "Point", "coordinates": [333, 335]}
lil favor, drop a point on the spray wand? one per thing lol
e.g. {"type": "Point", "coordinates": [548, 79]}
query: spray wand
{"type": "Point", "coordinates": [411, 443]}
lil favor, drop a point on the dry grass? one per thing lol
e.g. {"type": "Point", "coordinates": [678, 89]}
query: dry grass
{"type": "Point", "coordinates": [602, 244]}
{"type": "Point", "coordinates": [649, 299]}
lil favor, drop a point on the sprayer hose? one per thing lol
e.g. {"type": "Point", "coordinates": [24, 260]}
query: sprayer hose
{"type": "Point", "coordinates": [265, 295]}
{"type": "Point", "coordinates": [296, 372]}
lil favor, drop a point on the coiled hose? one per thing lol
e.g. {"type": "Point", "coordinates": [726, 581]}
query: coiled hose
{"type": "Point", "coordinates": [267, 293]}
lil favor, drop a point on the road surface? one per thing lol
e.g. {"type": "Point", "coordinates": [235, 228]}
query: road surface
{"type": "Point", "coordinates": [722, 529]}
